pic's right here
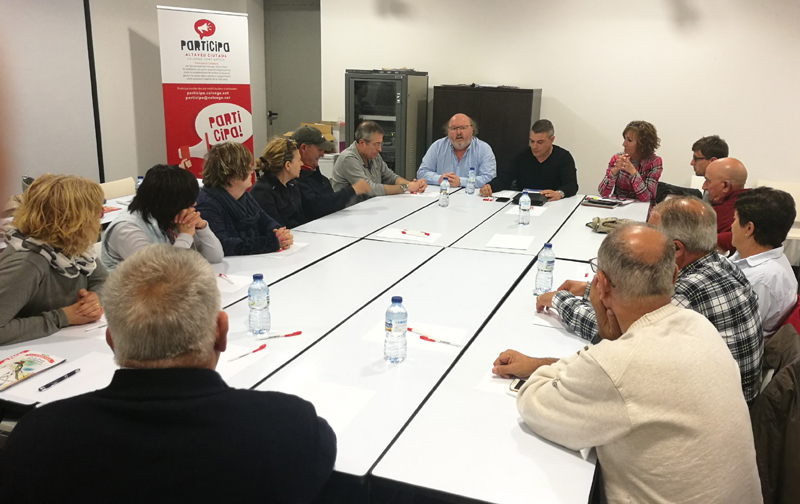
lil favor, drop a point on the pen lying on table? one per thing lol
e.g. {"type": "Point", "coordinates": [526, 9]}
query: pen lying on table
{"type": "Point", "coordinates": [59, 380]}
{"type": "Point", "coordinates": [432, 340]}
{"type": "Point", "coordinates": [296, 333]}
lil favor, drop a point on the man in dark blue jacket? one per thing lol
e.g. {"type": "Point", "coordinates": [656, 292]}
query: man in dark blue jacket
{"type": "Point", "coordinates": [168, 428]}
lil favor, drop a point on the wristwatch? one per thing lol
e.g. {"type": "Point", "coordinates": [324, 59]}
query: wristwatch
{"type": "Point", "coordinates": [404, 187]}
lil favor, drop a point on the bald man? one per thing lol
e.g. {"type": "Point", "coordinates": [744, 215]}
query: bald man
{"type": "Point", "coordinates": [659, 394]}
{"type": "Point", "coordinates": [706, 283]}
{"type": "Point", "coordinates": [725, 180]}
{"type": "Point", "coordinates": [453, 156]}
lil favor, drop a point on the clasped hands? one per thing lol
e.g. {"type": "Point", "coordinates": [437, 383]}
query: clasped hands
{"type": "Point", "coordinates": [623, 163]}
{"type": "Point", "coordinates": [86, 308]}
{"type": "Point", "coordinates": [188, 220]}
{"type": "Point", "coordinates": [453, 179]}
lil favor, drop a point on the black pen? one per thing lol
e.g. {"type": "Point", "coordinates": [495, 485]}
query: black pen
{"type": "Point", "coordinates": [59, 380]}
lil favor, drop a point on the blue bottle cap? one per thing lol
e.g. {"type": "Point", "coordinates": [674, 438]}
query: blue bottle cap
{"type": "Point", "coordinates": [397, 299]}
{"type": "Point", "coordinates": [258, 276]}
{"type": "Point", "coordinates": [548, 245]}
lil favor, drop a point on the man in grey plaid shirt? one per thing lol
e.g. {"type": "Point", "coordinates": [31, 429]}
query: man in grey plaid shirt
{"type": "Point", "coordinates": [706, 283]}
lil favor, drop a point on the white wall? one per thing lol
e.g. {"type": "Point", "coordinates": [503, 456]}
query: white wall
{"type": "Point", "coordinates": [129, 78]}
{"type": "Point", "coordinates": [727, 67]}
{"type": "Point", "coordinates": [47, 98]}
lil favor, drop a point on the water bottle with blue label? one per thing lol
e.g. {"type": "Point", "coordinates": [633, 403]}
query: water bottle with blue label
{"type": "Point", "coordinates": [544, 275]}
{"type": "Point", "coordinates": [394, 346]}
{"type": "Point", "coordinates": [471, 181]}
{"type": "Point", "coordinates": [525, 209]}
{"type": "Point", "coordinates": [258, 298]}
{"type": "Point", "coordinates": [444, 196]}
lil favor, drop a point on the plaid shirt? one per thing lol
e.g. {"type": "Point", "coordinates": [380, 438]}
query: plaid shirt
{"type": "Point", "coordinates": [712, 287]}
{"type": "Point", "coordinates": [641, 186]}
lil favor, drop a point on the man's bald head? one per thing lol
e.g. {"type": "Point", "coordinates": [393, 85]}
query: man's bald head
{"type": "Point", "coordinates": [639, 261]}
{"type": "Point", "coordinates": [460, 129]}
{"type": "Point", "coordinates": [688, 220]}
{"type": "Point", "coordinates": [724, 176]}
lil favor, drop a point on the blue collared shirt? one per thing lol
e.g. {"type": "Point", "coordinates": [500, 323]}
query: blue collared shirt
{"type": "Point", "coordinates": [441, 159]}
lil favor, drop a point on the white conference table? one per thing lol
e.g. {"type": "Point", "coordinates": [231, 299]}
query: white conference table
{"type": "Point", "coordinates": [468, 438]}
{"type": "Point", "coordinates": [577, 242]}
{"type": "Point", "coordinates": [545, 221]}
{"type": "Point", "coordinates": [366, 400]}
{"type": "Point", "coordinates": [443, 225]}
{"type": "Point", "coordinates": [368, 216]}
{"type": "Point", "coordinates": [308, 248]}
{"type": "Point", "coordinates": [319, 298]}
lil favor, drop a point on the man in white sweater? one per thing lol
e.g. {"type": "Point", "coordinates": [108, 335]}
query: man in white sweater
{"type": "Point", "coordinates": [659, 396]}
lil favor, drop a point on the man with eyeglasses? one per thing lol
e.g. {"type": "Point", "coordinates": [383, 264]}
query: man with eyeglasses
{"type": "Point", "coordinates": [706, 150]}
{"type": "Point", "coordinates": [725, 180]}
{"type": "Point", "coordinates": [658, 396]}
{"type": "Point", "coordinates": [706, 283]}
{"type": "Point", "coordinates": [452, 157]}
{"type": "Point", "coordinates": [362, 161]}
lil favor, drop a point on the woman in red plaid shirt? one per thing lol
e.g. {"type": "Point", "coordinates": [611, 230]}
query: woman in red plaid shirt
{"type": "Point", "coordinates": [634, 173]}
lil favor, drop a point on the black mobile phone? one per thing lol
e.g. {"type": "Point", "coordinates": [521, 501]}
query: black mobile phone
{"type": "Point", "coordinates": [502, 199]}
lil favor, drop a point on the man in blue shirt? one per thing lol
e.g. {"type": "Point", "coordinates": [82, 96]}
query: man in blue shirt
{"type": "Point", "coordinates": [452, 157]}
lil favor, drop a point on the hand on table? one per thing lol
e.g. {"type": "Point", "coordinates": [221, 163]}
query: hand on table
{"type": "Point", "coordinates": [551, 195]}
{"type": "Point", "coordinates": [544, 301]}
{"type": "Point", "coordinates": [284, 237]}
{"type": "Point", "coordinates": [417, 186]}
{"type": "Point", "coordinates": [86, 309]}
{"type": "Point", "coordinates": [512, 363]}
{"type": "Point", "coordinates": [486, 191]}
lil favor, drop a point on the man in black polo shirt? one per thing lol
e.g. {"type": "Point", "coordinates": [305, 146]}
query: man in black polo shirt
{"type": "Point", "coordinates": [316, 192]}
{"type": "Point", "coordinates": [543, 166]}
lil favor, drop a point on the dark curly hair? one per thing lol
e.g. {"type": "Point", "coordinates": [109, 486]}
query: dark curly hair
{"type": "Point", "coordinates": [646, 138]}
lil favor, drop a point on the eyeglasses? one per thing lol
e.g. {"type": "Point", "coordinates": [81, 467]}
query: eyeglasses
{"type": "Point", "coordinates": [458, 128]}
{"type": "Point", "coordinates": [595, 268]}
{"type": "Point", "coordinates": [696, 158]}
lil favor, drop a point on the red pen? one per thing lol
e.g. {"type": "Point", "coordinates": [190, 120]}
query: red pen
{"type": "Point", "coordinates": [262, 347]}
{"type": "Point", "coordinates": [432, 340]}
{"type": "Point", "coordinates": [488, 199]}
{"type": "Point", "coordinates": [296, 333]}
{"type": "Point", "coordinates": [225, 277]}
{"type": "Point", "coordinates": [414, 233]}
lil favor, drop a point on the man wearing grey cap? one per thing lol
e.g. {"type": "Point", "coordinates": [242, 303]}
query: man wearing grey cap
{"type": "Point", "coordinates": [318, 197]}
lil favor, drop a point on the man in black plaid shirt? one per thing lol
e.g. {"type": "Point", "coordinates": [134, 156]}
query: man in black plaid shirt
{"type": "Point", "coordinates": [706, 283]}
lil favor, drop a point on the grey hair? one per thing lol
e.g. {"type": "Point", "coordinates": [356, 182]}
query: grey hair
{"type": "Point", "coordinates": [634, 278]}
{"type": "Point", "coordinates": [543, 126]}
{"type": "Point", "coordinates": [161, 303]}
{"type": "Point", "coordinates": [697, 230]}
{"type": "Point", "coordinates": [366, 129]}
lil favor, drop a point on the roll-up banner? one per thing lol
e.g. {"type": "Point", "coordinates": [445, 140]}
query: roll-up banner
{"type": "Point", "coordinates": [205, 76]}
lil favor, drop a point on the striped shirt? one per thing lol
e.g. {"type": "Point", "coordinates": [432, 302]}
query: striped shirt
{"type": "Point", "coordinates": [641, 185]}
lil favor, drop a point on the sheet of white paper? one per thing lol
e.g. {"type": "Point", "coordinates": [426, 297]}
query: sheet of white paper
{"type": "Point", "coordinates": [93, 330]}
{"type": "Point", "coordinates": [505, 241]}
{"type": "Point", "coordinates": [548, 318]}
{"type": "Point", "coordinates": [239, 282]}
{"type": "Point", "coordinates": [411, 235]}
{"type": "Point", "coordinates": [296, 246]}
{"type": "Point", "coordinates": [338, 404]}
{"type": "Point", "coordinates": [96, 371]}
{"type": "Point", "coordinates": [453, 335]}
{"type": "Point", "coordinates": [490, 382]}
{"type": "Point", "coordinates": [504, 194]}
{"type": "Point", "coordinates": [228, 369]}
{"type": "Point", "coordinates": [430, 192]}
{"type": "Point", "coordinates": [535, 211]}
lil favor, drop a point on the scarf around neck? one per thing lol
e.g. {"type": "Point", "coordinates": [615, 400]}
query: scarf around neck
{"type": "Point", "coordinates": [83, 264]}
{"type": "Point", "coordinates": [243, 217]}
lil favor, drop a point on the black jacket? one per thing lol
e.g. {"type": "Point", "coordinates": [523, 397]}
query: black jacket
{"type": "Point", "coordinates": [169, 435]}
{"type": "Point", "coordinates": [556, 173]}
{"type": "Point", "coordinates": [318, 196]}
{"type": "Point", "coordinates": [281, 202]}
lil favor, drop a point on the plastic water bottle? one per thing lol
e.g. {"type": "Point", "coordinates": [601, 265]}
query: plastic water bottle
{"type": "Point", "coordinates": [138, 183]}
{"type": "Point", "coordinates": [444, 196]}
{"type": "Point", "coordinates": [525, 209]}
{"type": "Point", "coordinates": [544, 275]}
{"type": "Point", "coordinates": [258, 296]}
{"type": "Point", "coordinates": [471, 181]}
{"type": "Point", "coordinates": [394, 346]}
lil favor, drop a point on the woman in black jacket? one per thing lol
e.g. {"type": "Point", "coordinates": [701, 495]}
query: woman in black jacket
{"type": "Point", "coordinates": [276, 190]}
